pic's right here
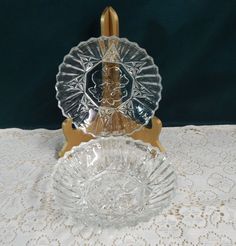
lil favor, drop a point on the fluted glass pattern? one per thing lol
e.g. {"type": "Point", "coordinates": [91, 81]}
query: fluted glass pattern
{"type": "Point", "coordinates": [108, 86]}
{"type": "Point", "coordinates": [113, 181]}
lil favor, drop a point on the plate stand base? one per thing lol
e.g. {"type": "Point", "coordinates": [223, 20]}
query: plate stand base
{"type": "Point", "coordinates": [75, 137]}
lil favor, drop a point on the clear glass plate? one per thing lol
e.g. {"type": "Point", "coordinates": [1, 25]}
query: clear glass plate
{"type": "Point", "coordinates": [113, 181]}
{"type": "Point", "coordinates": [108, 86]}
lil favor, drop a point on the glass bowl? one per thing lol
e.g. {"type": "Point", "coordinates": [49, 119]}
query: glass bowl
{"type": "Point", "coordinates": [113, 182]}
{"type": "Point", "coordinates": [108, 86]}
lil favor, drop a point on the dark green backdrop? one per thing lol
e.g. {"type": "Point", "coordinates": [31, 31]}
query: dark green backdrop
{"type": "Point", "coordinates": [192, 41]}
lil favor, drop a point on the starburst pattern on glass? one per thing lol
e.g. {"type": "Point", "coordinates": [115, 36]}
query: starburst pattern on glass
{"type": "Point", "coordinates": [108, 86]}
{"type": "Point", "coordinates": [113, 181]}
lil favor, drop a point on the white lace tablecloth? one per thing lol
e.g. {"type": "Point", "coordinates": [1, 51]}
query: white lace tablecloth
{"type": "Point", "coordinates": [203, 211]}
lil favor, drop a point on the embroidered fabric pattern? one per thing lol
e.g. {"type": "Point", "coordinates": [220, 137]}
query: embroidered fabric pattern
{"type": "Point", "coordinates": [202, 212]}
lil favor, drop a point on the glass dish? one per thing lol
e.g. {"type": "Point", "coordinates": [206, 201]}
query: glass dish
{"type": "Point", "coordinates": [108, 86]}
{"type": "Point", "coordinates": [113, 181]}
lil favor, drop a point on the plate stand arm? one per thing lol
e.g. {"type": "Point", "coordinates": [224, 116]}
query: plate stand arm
{"type": "Point", "coordinates": [150, 135]}
{"type": "Point", "coordinates": [73, 137]}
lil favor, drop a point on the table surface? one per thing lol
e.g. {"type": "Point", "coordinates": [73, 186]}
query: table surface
{"type": "Point", "coordinates": [203, 211]}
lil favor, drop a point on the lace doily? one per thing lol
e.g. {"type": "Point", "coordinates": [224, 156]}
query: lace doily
{"type": "Point", "coordinates": [203, 211]}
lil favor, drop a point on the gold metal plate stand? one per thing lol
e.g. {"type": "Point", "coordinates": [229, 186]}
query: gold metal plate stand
{"type": "Point", "coordinates": [74, 137]}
